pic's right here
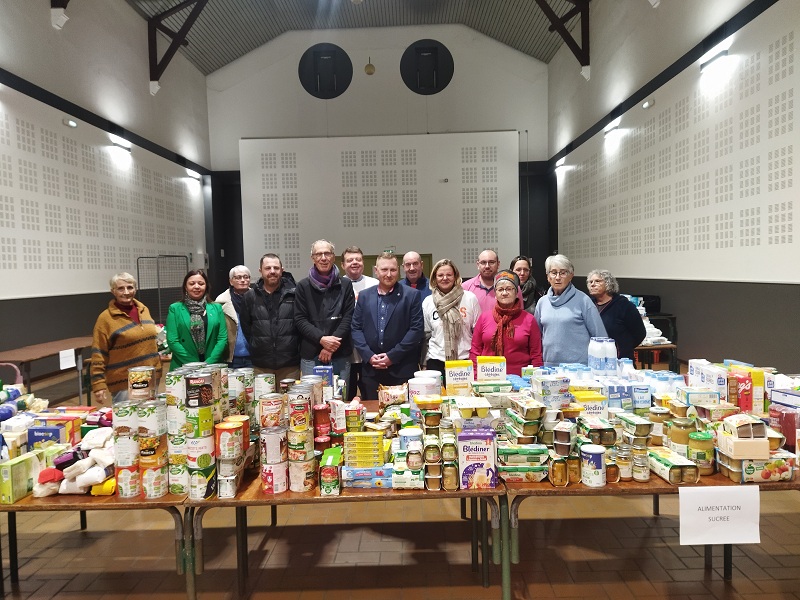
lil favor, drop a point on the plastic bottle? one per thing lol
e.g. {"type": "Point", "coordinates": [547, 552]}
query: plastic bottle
{"type": "Point", "coordinates": [610, 357]}
{"type": "Point", "coordinates": [596, 356]}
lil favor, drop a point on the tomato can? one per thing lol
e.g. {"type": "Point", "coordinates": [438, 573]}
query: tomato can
{"type": "Point", "coordinates": [245, 421]}
{"type": "Point", "coordinates": [299, 414]}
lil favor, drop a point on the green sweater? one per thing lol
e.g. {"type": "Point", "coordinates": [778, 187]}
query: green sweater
{"type": "Point", "coordinates": [118, 344]}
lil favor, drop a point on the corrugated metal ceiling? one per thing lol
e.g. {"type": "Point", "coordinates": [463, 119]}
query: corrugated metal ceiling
{"type": "Point", "coordinates": [229, 29]}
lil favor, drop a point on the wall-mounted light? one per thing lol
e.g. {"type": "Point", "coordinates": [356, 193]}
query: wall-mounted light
{"type": "Point", "coordinates": [560, 162]}
{"type": "Point", "coordinates": [69, 122]}
{"type": "Point", "coordinates": [648, 103]}
{"type": "Point", "coordinates": [193, 174]}
{"type": "Point", "coordinates": [120, 141]}
{"type": "Point", "coordinates": [586, 71]}
{"type": "Point", "coordinates": [714, 59]}
{"type": "Point", "coordinates": [58, 18]}
{"type": "Point", "coordinates": [613, 131]}
{"type": "Point", "coordinates": [654, 3]}
{"type": "Point", "coordinates": [369, 68]}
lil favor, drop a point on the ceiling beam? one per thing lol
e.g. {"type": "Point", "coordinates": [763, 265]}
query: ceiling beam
{"type": "Point", "coordinates": [558, 24]}
{"type": "Point", "coordinates": [156, 23]}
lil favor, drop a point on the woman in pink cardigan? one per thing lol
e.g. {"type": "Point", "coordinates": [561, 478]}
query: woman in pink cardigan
{"type": "Point", "coordinates": [507, 330]}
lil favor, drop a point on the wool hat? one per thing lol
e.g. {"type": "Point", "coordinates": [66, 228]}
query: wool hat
{"type": "Point", "coordinates": [507, 276]}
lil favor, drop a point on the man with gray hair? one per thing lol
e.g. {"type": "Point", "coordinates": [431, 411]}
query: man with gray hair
{"type": "Point", "coordinates": [232, 301]}
{"type": "Point", "coordinates": [323, 309]}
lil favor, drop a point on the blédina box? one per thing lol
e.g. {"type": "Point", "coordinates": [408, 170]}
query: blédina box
{"type": "Point", "coordinates": [476, 458]}
{"type": "Point", "coordinates": [459, 375]}
{"type": "Point", "coordinates": [491, 368]}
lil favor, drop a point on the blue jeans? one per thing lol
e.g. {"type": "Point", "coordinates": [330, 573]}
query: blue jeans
{"type": "Point", "coordinates": [239, 362]}
{"type": "Point", "coordinates": [341, 367]}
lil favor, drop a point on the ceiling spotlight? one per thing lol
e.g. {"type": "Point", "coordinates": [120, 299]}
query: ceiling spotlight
{"type": "Point", "coordinates": [369, 68]}
{"type": "Point", "coordinates": [69, 122]}
{"type": "Point", "coordinates": [648, 103]}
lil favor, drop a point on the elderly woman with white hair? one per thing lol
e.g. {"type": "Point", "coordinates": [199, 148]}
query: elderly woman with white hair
{"type": "Point", "coordinates": [232, 301]}
{"type": "Point", "coordinates": [124, 336]}
{"type": "Point", "coordinates": [620, 317]}
{"type": "Point", "coordinates": [567, 317]}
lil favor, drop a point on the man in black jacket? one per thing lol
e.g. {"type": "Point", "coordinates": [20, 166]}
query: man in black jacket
{"type": "Point", "coordinates": [323, 310]}
{"type": "Point", "coordinates": [267, 320]}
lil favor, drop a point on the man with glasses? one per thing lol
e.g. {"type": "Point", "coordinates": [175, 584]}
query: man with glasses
{"type": "Point", "coordinates": [483, 285]}
{"type": "Point", "coordinates": [323, 311]}
{"type": "Point", "coordinates": [232, 301]}
{"type": "Point", "coordinates": [415, 278]}
{"type": "Point", "coordinates": [567, 317]}
{"type": "Point", "coordinates": [353, 265]}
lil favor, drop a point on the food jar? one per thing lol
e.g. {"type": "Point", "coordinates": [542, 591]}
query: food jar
{"type": "Point", "coordinates": [658, 416]}
{"type": "Point", "coordinates": [679, 434]}
{"type": "Point", "coordinates": [641, 468]}
{"type": "Point", "coordinates": [701, 451]}
{"type": "Point", "coordinates": [625, 462]}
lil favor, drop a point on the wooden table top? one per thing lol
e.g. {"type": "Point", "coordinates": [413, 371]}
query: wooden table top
{"type": "Point", "coordinates": [655, 486]}
{"type": "Point", "coordinates": [64, 502]}
{"type": "Point", "coordinates": [657, 347]}
{"type": "Point", "coordinates": [37, 351]}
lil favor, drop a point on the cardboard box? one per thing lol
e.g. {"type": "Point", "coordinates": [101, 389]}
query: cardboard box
{"type": "Point", "coordinates": [491, 368]}
{"type": "Point", "coordinates": [756, 448]}
{"type": "Point", "coordinates": [40, 436]}
{"type": "Point", "coordinates": [550, 385]}
{"type": "Point", "coordinates": [18, 476]}
{"type": "Point", "coordinates": [476, 459]}
{"type": "Point", "coordinates": [787, 397]}
{"type": "Point", "coordinates": [353, 473]}
{"type": "Point", "coordinates": [691, 395]}
{"type": "Point", "coordinates": [408, 480]}
{"type": "Point", "coordinates": [459, 375]}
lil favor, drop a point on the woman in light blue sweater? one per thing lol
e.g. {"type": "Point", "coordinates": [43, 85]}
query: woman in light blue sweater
{"type": "Point", "coordinates": [567, 317]}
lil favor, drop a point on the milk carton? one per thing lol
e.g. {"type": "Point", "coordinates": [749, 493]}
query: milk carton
{"type": "Point", "coordinates": [459, 375]}
{"type": "Point", "coordinates": [476, 458]}
{"type": "Point", "coordinates": [491, 368]}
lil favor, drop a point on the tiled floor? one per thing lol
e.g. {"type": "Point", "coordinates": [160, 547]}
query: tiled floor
{"type": "Point", "coordinates": [588, 548]}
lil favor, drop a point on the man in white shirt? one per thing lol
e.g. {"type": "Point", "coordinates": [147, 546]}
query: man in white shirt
{"type": "Point", "coordinates": [353, 266]}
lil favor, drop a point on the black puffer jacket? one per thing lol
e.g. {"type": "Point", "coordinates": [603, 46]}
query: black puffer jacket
{"type": "Point", "coordinates": [318, 313]}
{"type": "Point", "coordinates": [273, 338]}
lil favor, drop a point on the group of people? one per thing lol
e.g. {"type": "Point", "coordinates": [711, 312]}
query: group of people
{"type": "Point", "coordinates": [373, 331]}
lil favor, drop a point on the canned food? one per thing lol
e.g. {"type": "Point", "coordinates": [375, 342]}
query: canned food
{"type": "Point", "coordinates": [237, 397]}
{"type": "Point", "coordinates": [263, 384]}
{"type": "Point", "coordinates": [175, 388]}
{"type": "Point", "coordinates": [129, 482]}
{"type": "Point", "coordinates": [155, 482]}
{"type": "Point", "coordinates": [176, 418]}
{"type": "Point", "coordinates": [178, 479]}
{"type": "Point", "coordinates": [228, 439]}
{"type": "Point", "coordinates": [152, 451]}
{"type": "Point", "coordinates": [303, 475]}
{"type": "Point", "coordinates": [141, 383]}
{"type": "Point", "coordinates": [202, 483]}
{"type": "Point", "coordinates": [200, 452]}
{"type": "Point", "coordinates": [299, 414]}
{"type": "Point", "coordinates": [228, 467]}
{"type": "Point", "coordinates": [126, 450]}
{"type": "Point", "coordinates": [200, 421]}
{"type": "Point", "coordinates": [152, 415]}
{"type": "Point", "coordinates": [227, 486]}
{"type": "Point", "coordinates": [285, 384]}
{"type": "Point", "coordinates": [274, 445]}
{"type": "Point", "coordinates": [125, 418]}
{"type": "Point", "coordinates": [245, 421]}
{"type": "Point", "coordinates": [199, 389]}
{"type": "Point", "coordinates": [176, 448]}
{"type": "Point", "coordinates": [271, 409]}
{"type": "Point", "coordinates": [275, 478]}
{"type": "Point", "coordinates": [301, 444]}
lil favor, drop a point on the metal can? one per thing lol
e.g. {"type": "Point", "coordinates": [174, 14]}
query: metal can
{"type": "Point", "coordinates": [125, 418]}
{"type": "Point", "coordinates": [299, 414]}
{"type": "Point", "coordinates": [155, 482]}
{"type": "Point", "coordinates": [176, 448]}
{"type": "Point", "coordinates": [271, 409]}
{"type": "Point", "coordinates": [303, 475]}
{"type": "Point", "coordinates": [200, 421]}
{"type": "Point", "coordinates": [202, 483]}
{"type": "Point", "coordinates": [228, 467]}
{"type": "Point", "coordinates": [176, 418]}
{"type": "Point", "coordinates": [237, 397]}
{"type": "Point", "coordinates": [199, 389]}
{"type": "Point", "coordinates": [264, 383]}
{"type": "Point", "coordinates": [152, 451]}
{"type": "Point", "coordinates": [126, 450]}
{"type": "Point", "coordinates": [274, 445]}
{"type": "Point", "coordinates": [228, 439]}
{"type": "Point", "coordinates": [275, 478]}
{"type": "Point", "coordinates": [152, 415]}
{"type": "Point", "coordinates": [245, 421]}
{"type": "Point", "coordinates": [227, 486]}
{"type": "Point", "coordinates": [142, 383]}
{"type": "Point", "coordinates": [200, 452]}
{"type": "Point", "coordinates": [175, 388]}
{"type": "Point", "coordinates": [129, 482]}
{"type": "Point", "coordinates": [285, 384]}
{"type": "Point", "coordinates": [178, 476]}
{"type": "Point", "coordinates": [300, 444]}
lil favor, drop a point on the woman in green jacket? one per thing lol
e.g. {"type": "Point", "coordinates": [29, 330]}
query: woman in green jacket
{"type": "Point", "coordinates": [196, 328]}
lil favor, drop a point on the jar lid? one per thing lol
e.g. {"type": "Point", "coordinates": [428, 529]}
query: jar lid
{"type": "Point", "coordinates": [659, 410]}
{"type": "Point", "coordinates": [704, 436]}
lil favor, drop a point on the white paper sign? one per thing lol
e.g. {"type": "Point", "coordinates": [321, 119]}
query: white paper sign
{"type": "Point", "coordinates": [66, 359]}
{"type": "Point", "coordinates": [720, 515]}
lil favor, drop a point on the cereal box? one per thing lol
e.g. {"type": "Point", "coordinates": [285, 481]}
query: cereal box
{"type": "Point", "coordinates": [476, 458]}
{"type": "Point", "coordinates": [491, 368]}
{"type": "Point", "coordinates": [459, 375]}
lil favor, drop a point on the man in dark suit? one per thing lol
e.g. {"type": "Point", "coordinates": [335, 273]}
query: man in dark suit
{"type": "Point", "coordinates": [387, 329]}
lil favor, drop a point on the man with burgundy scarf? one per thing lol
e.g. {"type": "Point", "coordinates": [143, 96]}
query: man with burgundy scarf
{"type": "Point", "coordinates": [323, 310]}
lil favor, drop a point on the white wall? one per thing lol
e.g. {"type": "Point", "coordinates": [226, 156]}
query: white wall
{"type": "Point", "coordinates": [631, 43]}
{"type": "Point", "coordinates": [99, 61]}
{"type": "Point", "coordinates": [494, 88]}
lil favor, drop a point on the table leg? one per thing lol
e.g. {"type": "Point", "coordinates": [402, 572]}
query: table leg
{"type": "Point", "coordinates": [180, 551]}
{"type": "Point", "coordinates": [13, 558]}
{"type": "Point", "coordinates": [83, 519]}
{"type": "Point", "coordinates": [241, 549]}
{"type": "Point", "coordinates": [473, 515]}
{"type": "Point", "coordinates": [514, 527]}
{"type": "Point", "coordinates": [707, 558]}
{"type": "Point", "coordinates": [505, 551]}
{"type": "Point", "coordinates": [727, 558]}
{"type": "Point", "coordinates": [197, 539]}
{"type": "Point", "coordinates": [273, 510]}
{"type": "Point", "coordinates": [464, 508]}
{"type": "Point", "coordinates": [79, 365]}
{"type": "Point", "coordinates": [189, 552]}
{"type": "Point", "coordinates": [26, 375]}
{"type": "Point", "coordinates": [484, 544]}
{"type": "Point", "coordinates": [673, 360]}
{"type": "Point", "coordinates": [656, 508]}
{"type": "Point", "coordinates": [2, 575]}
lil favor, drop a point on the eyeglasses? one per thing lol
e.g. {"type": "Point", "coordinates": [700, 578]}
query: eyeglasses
{"type": "Point", "coordinates": [241, 277]}
{"type": "Point", "coordinates": [322, 255]}
{"type": "Point", "coordinates": [505, 290]}
{"type": "Point", "coordinates": [558, 273]}
{"type": "Point", "coordinates": [487, 263]}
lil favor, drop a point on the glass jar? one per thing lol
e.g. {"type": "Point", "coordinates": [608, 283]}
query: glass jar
{"type": "Point", "coordinates": [679, 435]}
{"type": "Point", "coordinates": [558, 472]}
{"type": "Point", "coordinates": [701, 451]}
{"type": "Point", "coordinates": [573, 468]}
{"type": "Point", "coordinates": [658, 416]}
{"type": "Point", "coordinates": [625, 462]}
{"type": "Point", "coordinates": [641, 468]}
{"type": "Point", "coordinates": [638, 450]}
